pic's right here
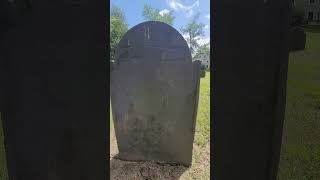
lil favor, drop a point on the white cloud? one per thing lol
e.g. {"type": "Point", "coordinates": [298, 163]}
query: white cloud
{"type": "Point", "coordinates": [163, 12]}
{"type": "Point", "coordinates": [208, 16]}
{"type": "Point", "coordinates": [175, 5]}
{"type": "Point", "coordinates": [206, 26]}
{"type": "Point", "coordinates": [187, 9]}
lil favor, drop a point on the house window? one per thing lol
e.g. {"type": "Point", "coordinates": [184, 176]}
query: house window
{"type": "Point", "coordinates": [310, 16]}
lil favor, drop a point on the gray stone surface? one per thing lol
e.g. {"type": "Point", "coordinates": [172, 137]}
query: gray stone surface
{"type": "Point", "coordinates": [154, 95]}
{"type": "Point", "coordinates": [297, 39]}
{"type": "Point", "coordinates": [55, 117]}
{"type": "Point", "coordinates": [251, 47]}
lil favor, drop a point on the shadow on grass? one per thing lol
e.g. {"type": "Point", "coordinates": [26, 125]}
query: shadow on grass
{"type": "Point", "coordinates": [144, 170]}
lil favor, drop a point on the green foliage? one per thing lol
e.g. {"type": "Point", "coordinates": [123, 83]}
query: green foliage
{"type": "Point", "coordinates": [298, 7]}
{"type": "Point", "coordinates": [298, 13]}
{"type": "Point", "coordinates": [194, 31]}
{"type": "Point", "coordinates": [202, 49]}
{"type": "Point", "coordinates": [118, 28]}
{"type": "Point", "coordinates": [151, 14]}
{"type": "Point", "coordinates": [117, 12]}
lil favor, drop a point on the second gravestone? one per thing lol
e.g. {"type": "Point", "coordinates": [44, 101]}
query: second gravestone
{"type": "Point", "coordinates": [251, 50]}
{"type": "Point", "coordinates": [154, 95]}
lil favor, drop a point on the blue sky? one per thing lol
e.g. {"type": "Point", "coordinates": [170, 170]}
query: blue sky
{"type": "Point", "coordinates": [183, 10]}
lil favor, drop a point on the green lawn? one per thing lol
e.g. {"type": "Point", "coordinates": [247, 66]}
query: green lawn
{"type": "Point", "coordinates": [202, 136]}
{"type": "Point", "coordinates": [313, 39]}
{"type": "Point", "coordinates": [300, 153]}
{"type": "Point", "coordinates": [3, 167]}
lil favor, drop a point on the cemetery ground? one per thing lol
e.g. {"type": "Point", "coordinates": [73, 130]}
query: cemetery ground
{"type": "Point", "coordinates": [300, 153]}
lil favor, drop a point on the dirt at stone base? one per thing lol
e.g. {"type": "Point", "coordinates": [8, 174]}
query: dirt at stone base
{"type": "Point", "coordinates": [143, 170]}
{"type": "Point", "coordinates": [128, 170]}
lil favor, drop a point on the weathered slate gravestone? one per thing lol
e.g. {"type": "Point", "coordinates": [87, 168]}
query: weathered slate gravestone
{"type": "Point", "coordinates": [251, 49]}
{"type": "Point", "coordinates": [154, 95]}
{"type": "Point", "coordinates": [297, 39]}
{"type": "Point", "coordinates": [55, 109]}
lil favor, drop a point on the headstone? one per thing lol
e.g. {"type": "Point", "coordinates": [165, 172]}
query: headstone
{"type": "Point", "coordinates": [55, 114]}
{"type": "Point", "coordinates": [297, 39]}
{"type": "Point", "coordinates": [251, 49]}
{"type": "Point", "coordinates": [154, 95]}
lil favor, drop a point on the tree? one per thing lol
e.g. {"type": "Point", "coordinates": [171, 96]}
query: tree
{"type": "Point", "coordinates": [203, 51]}
{"type": "Point", "coordinates": [151, 14]}
{"type": "Point", "coordinates": [193, 31]}
{"type": "Point", "coordinates": [297, 13]}
{"type": "Point", "coordinates": [117, 12]}
{"type": "Point", "coordinates": [118, 27]}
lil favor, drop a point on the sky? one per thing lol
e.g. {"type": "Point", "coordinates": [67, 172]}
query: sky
{"type": "Point", "coordinates": [183, 10]}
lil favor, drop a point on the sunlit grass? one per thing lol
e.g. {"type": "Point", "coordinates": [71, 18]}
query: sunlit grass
{"type": "Point", "coordinates": [300, 153]}
{"type": "Point", "coordinates": [202, 136]}
{"type": "Point", "coordinates": [313, 40]}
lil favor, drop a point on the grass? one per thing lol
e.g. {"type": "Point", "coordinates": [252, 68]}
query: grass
{"type": "Point", "coordinates": [313, 40]}
{"type": "Point", "coordinates": [3, 167]}
{"type": "Point", "coordinates": [201, 148]}
{"type": "Point", "coordinates": [202, 136]}
{"type": "Point", "coordinates": [300, 153]}
{"type": "Point", "coordinates": [111, 119]}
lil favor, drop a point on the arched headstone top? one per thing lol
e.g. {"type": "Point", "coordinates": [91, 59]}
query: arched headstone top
{"type": "Point", "coordinates": [153, 41]}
